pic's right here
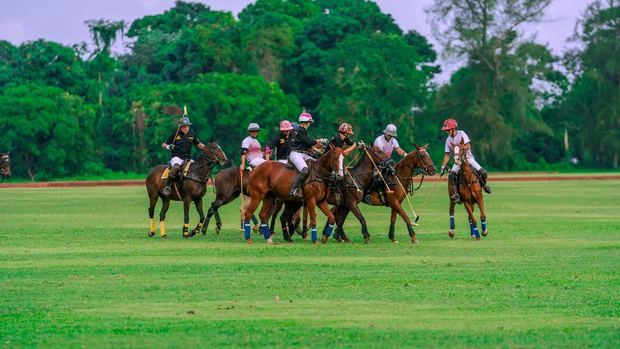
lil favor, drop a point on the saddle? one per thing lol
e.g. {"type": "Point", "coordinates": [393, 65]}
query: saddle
{"type": "Point", "coordinates": [185, 166]}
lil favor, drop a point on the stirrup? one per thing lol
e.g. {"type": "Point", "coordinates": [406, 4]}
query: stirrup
{"type": "Point", "coordinates": [167, 190]}
{"type": "Point", "coordinates": [295, 193]}
{"type": "Point", "coordinates": [367, 199]}
{"type": "Point", "coordinates": [456, 198]}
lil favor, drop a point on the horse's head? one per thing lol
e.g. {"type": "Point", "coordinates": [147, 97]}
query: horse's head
{"type": "Point", "coordinates": [332, 162]}
{"type": "Point", "coordinates": [460, 155]}
{"type": "Point", "coordinates": [5, 165]}
{"type": "Point", "coordinates": [421, 161]}
{"type": "Point", "coordinates": [214, 153]}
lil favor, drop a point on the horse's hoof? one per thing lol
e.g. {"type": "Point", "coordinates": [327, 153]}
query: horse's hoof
{"type": "Point", "coordinates": [347, 240]}
{"type": "Point", "coordinates": [163, 236]}
{"type": "Point", "coordinates": [255, 228]}
{"type": "Point", "coordinates": [367, 240]}
{"type": "Point", "coordinates": [485, 233]}
{"type": "Point", "coordinates": [451, 234]}
{"type": "Point", "coordinates": [269, 241]}
{"type": "Point", "coordinates": [151, 234]}
{"type": "Point", "coordinates": [394, 241]}
{"type": "Point", "coordinates": [414, 240]}
{"type": "Point", "coordinates": [324, 239]}
{"type": "Point", "coordinates": [249, 241]}
{"type": "Point", "coordinates": [475, 237]}
{"type": "Point", "coordinates": [217, 230]}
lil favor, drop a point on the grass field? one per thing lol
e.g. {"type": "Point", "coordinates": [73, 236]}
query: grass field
{"type": "Point", "coordinates": [77, 270]}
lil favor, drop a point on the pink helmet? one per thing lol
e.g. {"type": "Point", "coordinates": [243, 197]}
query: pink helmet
{"type": "Point", "coordinates": [286, 125]}
{"type": "Point", "coordinates": [449, 124]}
{"type": "Point", "coordinates": [346, 128]}
{"type": "Point", "coordinates": [305, 117]}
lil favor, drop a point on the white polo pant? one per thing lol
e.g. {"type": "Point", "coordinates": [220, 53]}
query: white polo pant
{"type": "Point", "coordinates": [299, 160]}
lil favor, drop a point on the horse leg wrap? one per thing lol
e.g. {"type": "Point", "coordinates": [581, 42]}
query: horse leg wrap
{"type": "Point", "coordinates": [483, 225]}
{"type": "Point", "coordinates": [474, 230]}
{"type": "Point", "coordinates": [314, 236]}
{"type": "Point", "coordinates": [162, 228]}
{"type": "Point", "coordinates": [185, 229]}
{"type": "Point", "coordinates": [247, 229]}
{"type": "Point", "coordinates": [264, 228]}
{"type": "Point", "coordinates": [329, 229]}
{"type": "Point", "coordinates": [391, 233]}
{"type": "Point", "coordinates": [152, 223]}
{"type": "Point", "coordinates": [410, 230]}
{"type": "Point", "coordinates": [254, 219]}
{"type": "Point", "coordinates": [452, 225]}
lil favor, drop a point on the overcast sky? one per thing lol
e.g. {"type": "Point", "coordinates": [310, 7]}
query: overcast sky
{"type": "Point", "coordinates": [63, 20]}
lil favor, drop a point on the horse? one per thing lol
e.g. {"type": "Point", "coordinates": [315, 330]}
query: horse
{"type": "Point", "coordinates": [273, 179]}
{"type": "Point", "coordinates": [471, 193]}
{"type": "Point", "coordinates": [227, 185]}
{"type": "Point", "coordinates": [414, 163]}
{"type": "Point", "coordinates": [358, 181]}
{"type": "Point", "coordinates": [193, 188]}
{"type": "Point", "coordinates": [5, 166]}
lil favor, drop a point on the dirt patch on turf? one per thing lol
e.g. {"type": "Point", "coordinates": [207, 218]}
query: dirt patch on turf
{"type": "Point", "coordinates": [126, 183]}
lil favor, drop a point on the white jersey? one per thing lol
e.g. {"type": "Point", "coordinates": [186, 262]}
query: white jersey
{"type": "Point", "coordinates": [451, 142]}
{"type": "Point", "coordinates": [252, 149]}
{"type": "Point", "coordinates": [385, 145]}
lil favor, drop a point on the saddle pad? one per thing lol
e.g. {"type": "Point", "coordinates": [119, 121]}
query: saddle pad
{"type": "Point", "coordinates": [165, 174]}
{"type": "Point", "coordinates": [188, 163]}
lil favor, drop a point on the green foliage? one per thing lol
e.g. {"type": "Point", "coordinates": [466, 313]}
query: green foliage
{"type": "Point", "coordinates": [591, 109]}
{"type": "Point", "coordinates": [342, 60]}
{"type": "Point", "coordinates": [47, 130]}
{"type": "Point", "coordinates": [220, 107]}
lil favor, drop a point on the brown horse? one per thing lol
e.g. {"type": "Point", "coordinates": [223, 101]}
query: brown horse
{"type": "Point", "coordinates": [471, 194]}
{"type": "Point", "coordinates": [5, 165]}
{"type": "Point", "coordinates": [273, 179]}
{"type": "Point", "coordinates": [358, 180]}
{"type": "Point", "coordinates": [227, 185]}
{"type": "Point", "coordinates": [416, 162]}
{"type": "Point", "coordinates": [193, 188]}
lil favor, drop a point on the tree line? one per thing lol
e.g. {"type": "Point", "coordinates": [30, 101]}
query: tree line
{"type": "Point", "coordinates": [81, 110]}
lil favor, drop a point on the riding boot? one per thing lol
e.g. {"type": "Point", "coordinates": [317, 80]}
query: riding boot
{"type": "Point", "coordinates": [454, 182]}
{"type": "Point", "coordinates": [297, 183]}
{"type": "Point", "coordinates": [482, 178]}
{"type": "Point", "coordinates": [172, 174]}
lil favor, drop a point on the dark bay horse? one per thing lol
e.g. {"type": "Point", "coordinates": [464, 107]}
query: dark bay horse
{"type": "Point", "coordinates": [5, 165]}
{"type": "Point", "coordinates": [227, 185]}
{"type": "Point", "coordinates": [471, 194]}
{"type": "Point", "coordinates": [273, 179]}
{"type": "Point", "coordinates": [358, 181]}
{"type": "Point", "coordinates": [193, 188]}
{"type": "Point", "coordinates": [416, 162]}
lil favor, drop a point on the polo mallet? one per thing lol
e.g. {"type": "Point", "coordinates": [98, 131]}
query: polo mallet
{"type": "Point", "coordinates": [409, 202]}
{"type": "Point", "coordinates": [387, 187]}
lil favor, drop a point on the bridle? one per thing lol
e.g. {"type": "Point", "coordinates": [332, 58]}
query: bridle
{"type": "Point", "coordinates": [424, 170]}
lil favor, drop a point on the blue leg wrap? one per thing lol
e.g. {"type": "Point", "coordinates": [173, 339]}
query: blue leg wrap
{"type": "Point", "coordinates": [264, 228]}
{"type": "Point", "coordinates": [254, 219]}
{"type": "Point", "coordinates": [314, 238]}
{"type": "Point", "coordinates": [474, 230]}
{"type": "Point", "coordinates": [452, 225]}
{"type": "Point", "coordinates": [329, 230]}
{"type": "Point", "coordinates": [484, 225]}
{"type": "Point", "coordinates": [247, 230]}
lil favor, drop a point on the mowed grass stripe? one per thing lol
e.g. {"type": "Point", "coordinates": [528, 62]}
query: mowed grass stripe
{"type": "Point", "coordinates": [77, 269]}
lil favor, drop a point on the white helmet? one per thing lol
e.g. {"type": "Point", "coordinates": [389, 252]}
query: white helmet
{"type": "Point", "coordinates": [305, 117]}
{"type": "Point", "coordinates": [390, 129]}
{"type": "Point", "coordinates": [253, 127]}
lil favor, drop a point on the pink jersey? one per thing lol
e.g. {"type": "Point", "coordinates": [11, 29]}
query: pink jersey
{"type": "Point", "coordinates": [252, 149]}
